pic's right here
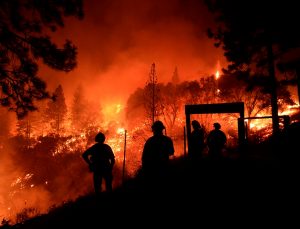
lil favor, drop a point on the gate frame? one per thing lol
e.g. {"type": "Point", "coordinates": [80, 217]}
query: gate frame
{"type": "Point", "coordinates": [217, 108]}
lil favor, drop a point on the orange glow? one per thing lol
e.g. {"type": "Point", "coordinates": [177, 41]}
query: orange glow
{"type": "Point", "coordinates": [217, 75]}
{"type": "Point", "coordinates": [115, 52]}
{"type": "Point", "coordinates": [120, 130]}
{"type": "Point", "coordinates": [113, 112]}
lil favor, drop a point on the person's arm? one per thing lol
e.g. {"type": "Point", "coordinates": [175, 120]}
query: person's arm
{"type": "Point", "coordinates": [145, 154]}
{"type": "Point", "coordinates": [225, 138]}
{"type": "Point", "coordinates": [112, 161]}
{"type": "Point", "coordinates": [86, 155]}
{"type": "Point", "coordinates": [111, 156]}
{"type": "Point", "coordinates": [171, 152]}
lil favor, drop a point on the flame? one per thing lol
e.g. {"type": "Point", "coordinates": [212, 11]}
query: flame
{"type": "Point", "coordinates": [112, 111]}
{"type": "Point", "coordinates": [118, 108]}
{"type": "Point", "coordinates": [135, 138]}
{"type": "Point", "coordinates": [120, 130]}
{"type": "Point", "coordinates": [217, 75]}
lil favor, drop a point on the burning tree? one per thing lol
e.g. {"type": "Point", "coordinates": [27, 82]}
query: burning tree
{"type": "Point", "coordinates": [175, 77]}
{"type": "Point", "coordinates": [151, 96]}
{"type": "Point", "coordinates": [170, 100]}
{"type": "Point", "coordinates": [257, 103]}
{"type": "Point", "coordinates": [57, 109]}
{"type": "Point", "coordinates": [236, 90]}
{"type": "Point", "coordinates": [78, 109]}
{"type": "Point", "coordinates": [135, 110]}
{"type": "Point", "coordinates": [84, 114]}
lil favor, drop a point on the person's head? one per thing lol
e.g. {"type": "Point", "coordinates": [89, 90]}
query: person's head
{"type": "Point", "coordinates": [196, 124]}
{"type": "Point", "coordinates": [100, 137]}
{"type": "Point", "coordinates": [217, 125]}
{"type": "Point", "coordinates": [158, 127]}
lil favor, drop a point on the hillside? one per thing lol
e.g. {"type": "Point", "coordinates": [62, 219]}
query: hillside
{"type": "Point", "coordinates": [232, 188]}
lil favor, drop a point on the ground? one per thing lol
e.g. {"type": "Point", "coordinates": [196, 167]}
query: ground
{"type": "Point", "coordinates": [194, 192]}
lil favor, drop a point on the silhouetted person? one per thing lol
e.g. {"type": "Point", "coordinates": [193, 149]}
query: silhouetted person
{"type": "Point", "coordinates": [196, 141]}
{"type": "Point", "coordinates": [101, 160]}
{"type": "Point", "coordinates": [216, 141]}
{"type": "Point", "coordinates": [157, 149]}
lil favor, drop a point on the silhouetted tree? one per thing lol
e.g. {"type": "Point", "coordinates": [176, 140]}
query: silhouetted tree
{"type": "Point", "coordinates": [151, 96]}
{"type": "Point", "coordinates": [254, 35]}
{"type": "Point", "coordinates": [175, 77]}
{"type": "Point", "coordinates": [233, 89]}
{"type": "Point", "coordinates": [84, 113]}
{"type": "Point", "coordinates": [208, 86]}
{"type": "Point", "coordinates": [57, 109]}
{"type": "Point", "coordinates": [78, 108]}
{"type": "Point", "coordinates": [24, 126]}
{"type": "Point", "coordinates": [24, 42]}
{"type": "Point", "coordinates": [171, 104]}
{"type": "Point", "coordinates": [290, 66]}
{"type": "Point", "coordinates": [190, 91]}
{"type": "Point", "coordinates": [135, 109]}
{"type": "Point", "coordinates": [5, 123]}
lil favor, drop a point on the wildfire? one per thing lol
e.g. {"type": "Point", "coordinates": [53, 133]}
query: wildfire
{"type": "Point", "coordinates": [217, 75]}
{"type": "Point", "coordinates": [120, 130]}
{"type": "Point", "coordinates": [112, 112]}
{"type": "Point", "coordinates": [116, 135]}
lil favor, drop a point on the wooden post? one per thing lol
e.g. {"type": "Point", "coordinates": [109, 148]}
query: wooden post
{"type": "Point", "coordinates": [124, 157]}
{"type": "Point", "coordinates": [184, 142]}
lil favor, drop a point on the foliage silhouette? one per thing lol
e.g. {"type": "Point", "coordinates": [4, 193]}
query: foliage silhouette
{"type": "Point", "coordinates": [253, 38]}
{"type": "Point", "coordinates": [24, 41]}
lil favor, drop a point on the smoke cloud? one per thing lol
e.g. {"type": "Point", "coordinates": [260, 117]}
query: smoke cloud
{"type": "Point", "coordinates": [119, 40]}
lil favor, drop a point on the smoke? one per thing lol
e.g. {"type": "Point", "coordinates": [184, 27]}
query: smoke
{"type": "Point", "coordinates": [117, 43]}
{"type": "Point", "coordinates": [35, 180]}
{"type": "Point", "coordinates": [15, 196]}
{"type": "Point", "coordinates": [6, 175]}
{"type": "Point", "coordinates": [119, 40]}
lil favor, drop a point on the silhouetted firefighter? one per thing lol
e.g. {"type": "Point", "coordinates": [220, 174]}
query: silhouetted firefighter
{"type": "Point", "coordinates": [101, 160]}
{"type": "Point", "coordinates": [157, 149]}
{"type": "Point", "coordinates": [196, 141]}
{"type": "Point", "coordinates": [216, 141]}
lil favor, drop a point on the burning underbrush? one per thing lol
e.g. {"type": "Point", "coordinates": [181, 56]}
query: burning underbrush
{"type": "Point", "coordinates": [39, 173]}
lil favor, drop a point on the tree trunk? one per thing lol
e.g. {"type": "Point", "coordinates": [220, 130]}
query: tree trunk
{"type": "Point", "coordinates": [271, 66]}
{"type": "Point", "coordinates": [298, 82]}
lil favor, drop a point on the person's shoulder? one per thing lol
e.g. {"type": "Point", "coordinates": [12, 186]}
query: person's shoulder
{"type": "Point", "coordinates": [167, 137]}
{"type": "Point", "coordinates": [106, 146]}
{"type": "Point", "coordinates": [150, 139]}
{"type": "Point", "coordinates": [92, 147]}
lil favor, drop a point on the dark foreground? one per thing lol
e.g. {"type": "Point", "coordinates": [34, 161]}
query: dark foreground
{"type": "Point", "coordinates": [235, 191]}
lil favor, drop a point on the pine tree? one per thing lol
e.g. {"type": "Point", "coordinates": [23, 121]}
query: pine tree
{"type": "Point", "coordinates": [84, 114]}
{"type": "Point", "coordinates": [57, 109]}
{"type": "Point", "coordinates": [5, 123]}
{"type": "Point", "coordinates": [175, 77]}
{"type": "Point", "coordinates": [78, 108]}
{"type": "Point", "coordinates": [25, 42]}
{"type": "Point", "coordinates": [151, 95]}
{"type": "Point", "coordinates": [253, 37]}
